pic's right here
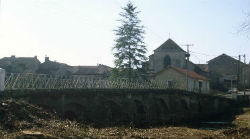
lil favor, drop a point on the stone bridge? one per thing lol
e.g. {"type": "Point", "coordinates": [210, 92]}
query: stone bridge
{"type": "Point", "coordinates": [124, 106]}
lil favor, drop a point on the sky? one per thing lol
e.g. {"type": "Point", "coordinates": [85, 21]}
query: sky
{"type": "Point", "coordinates": [80, 32]}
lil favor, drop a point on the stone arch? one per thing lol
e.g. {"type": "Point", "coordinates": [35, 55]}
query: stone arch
{"type": "Point", "coordinates": [74, 111]}
{"type": "Point", "coordinates": [140, 109]}
{"type": "Point", "coordinates": [161, 110]}
{"type": "Point", "coordinates": [113, 111]}
{"type": "Point", "coordinates": [162, 104]}
{"type": "Point", "coordinates": [74, 105]}
{"type": "Point", "coordinates": [167, 61]}
{"type": "Point", "coordinates": [70, 115]}
{"type": "Point", "coordinates": [184, 104]}
{"type": "Point", "coordinates": [140, 117]}
{"type": "Point", "coordinates": [128, 109]}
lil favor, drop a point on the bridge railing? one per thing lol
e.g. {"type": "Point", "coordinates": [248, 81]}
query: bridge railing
{"type": "Point", "coordinates": [41, 81]}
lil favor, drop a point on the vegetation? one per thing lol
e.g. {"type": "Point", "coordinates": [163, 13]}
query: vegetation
{"type": "Point", "coordinates": [130, 49]}
{"type": "Point", "coordinates": [245, 27]}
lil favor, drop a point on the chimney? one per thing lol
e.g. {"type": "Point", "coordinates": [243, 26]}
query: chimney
{"type": "Point", "coordinates": [12, 58]}
{"type": "Point", "coordinates": [46, 59]}
{"type": "Point", "coordinates": [35, 57]}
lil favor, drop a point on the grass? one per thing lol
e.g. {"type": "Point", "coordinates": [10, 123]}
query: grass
{"type": "Point", "coordinates": [242, 120]}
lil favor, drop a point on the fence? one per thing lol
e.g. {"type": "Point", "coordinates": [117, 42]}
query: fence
{"type": "Point", "coordinates": [40, 81]}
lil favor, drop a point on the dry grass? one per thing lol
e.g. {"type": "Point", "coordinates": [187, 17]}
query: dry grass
{"type": "Point", "coordinates": [161, 132]}
{"type": "Point", "coordinates": [242, 121]}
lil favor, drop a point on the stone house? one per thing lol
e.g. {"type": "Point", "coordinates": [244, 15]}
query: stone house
{"type": "Point", "coordinates": [98, 72]}
{"type": "Point", "coordinates": [170, 53]}
{"type": "Point", "coordinates": [20, 64]}
{"type": "Point", "coordinates": [177, 78]}
{"type": "Point", "coordinates": [54, 68]}
{"type": "Point", "coordinates": [226, 72]}
{"type": "Point", "coordinates": [78, 72]}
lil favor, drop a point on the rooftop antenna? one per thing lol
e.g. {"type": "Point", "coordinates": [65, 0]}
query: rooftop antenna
{"type": "Point", "coordinates": [187, 56]}
{"type": "Point", "coordinates": [0, 9]}
{"type": "Point", "coordinates": [97, 61]}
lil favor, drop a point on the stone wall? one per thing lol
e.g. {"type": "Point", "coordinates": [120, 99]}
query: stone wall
{"type": "Point", "coordinates": [121, 106]}
{"type": "Point", "coordinates": [177, 60]}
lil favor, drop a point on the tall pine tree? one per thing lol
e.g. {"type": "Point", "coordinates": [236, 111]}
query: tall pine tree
{"type": "Point", "coordinates": [129, 49]}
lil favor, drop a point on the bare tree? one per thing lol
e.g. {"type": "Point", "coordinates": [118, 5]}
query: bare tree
{"type": "Point", "coordinates": [245, 27]}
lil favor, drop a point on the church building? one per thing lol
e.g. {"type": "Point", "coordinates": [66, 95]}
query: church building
{"type": "Point", "coordinates": [169, 53]}
{"type": "Point", "coordinates": [168, 63]}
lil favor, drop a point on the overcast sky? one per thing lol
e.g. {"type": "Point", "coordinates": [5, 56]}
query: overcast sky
{"type": "Point", "coordinates": [80, 32]}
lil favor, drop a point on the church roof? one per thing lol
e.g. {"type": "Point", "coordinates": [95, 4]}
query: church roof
{"type": "Point", "coordinates": [169, 45]}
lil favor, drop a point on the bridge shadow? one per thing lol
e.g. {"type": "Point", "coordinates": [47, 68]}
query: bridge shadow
{"type": "Point", "coordinates": [212, 122]}
{"type": "Point", "coordinates": [215, 121]}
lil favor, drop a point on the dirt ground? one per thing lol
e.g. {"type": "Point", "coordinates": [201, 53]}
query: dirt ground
{"type": "Point", "coordinates": [19, 119]}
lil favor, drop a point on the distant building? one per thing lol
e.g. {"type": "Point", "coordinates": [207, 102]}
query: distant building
{"type": "Point", "coordinates": [226, 72]}
{"type": "Point", "coordinates": [176, 78]}
{"type": "Point", "coordinates": [55, 68]}
{"type": "Point", "coordinates": [168, 62]}
{"type": "Point", "coordinates": [20, 64]}
{"type": "Point", "coordinates": [98, 72]}
{"type": "Point", "coordinates": [80, 72]}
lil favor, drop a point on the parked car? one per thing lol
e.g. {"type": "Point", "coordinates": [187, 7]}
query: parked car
{"type": "Point", "coordinates": [233, 90]}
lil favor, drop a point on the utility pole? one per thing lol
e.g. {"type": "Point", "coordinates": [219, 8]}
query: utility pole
{"type": "Point", "coordinates": [0, 4]}
{"type": "Point", "coordinates": [244, 74]}
{"type": "Point", "coordinates": [239, 78]}
{"type": "Point", "coordinates": [187, 55]}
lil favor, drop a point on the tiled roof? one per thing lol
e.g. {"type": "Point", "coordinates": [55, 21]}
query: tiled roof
{"type": "Point", "coordinates": [19, 64]}
{"type": "Point", "coordinates": [26, 60]}
{"type": "Point", "coordinates": [53, 67]}
{"type": "Point", "coordinates": [91, 70]}
{"type": "Point", "coordinates": [223, 56]}
{"type": "Point", "coordinates": [204, 67]}
{"type": "Point", "coordinates": [191, 74]}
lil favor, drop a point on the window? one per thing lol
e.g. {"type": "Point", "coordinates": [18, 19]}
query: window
{"type": "Point", "coordinates": [167, 61]}
{"type": "Point", "coordinates": [170, 84]}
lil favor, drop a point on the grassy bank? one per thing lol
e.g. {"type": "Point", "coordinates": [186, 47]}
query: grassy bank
{"type": "Point", "coordinates": [19, 119]}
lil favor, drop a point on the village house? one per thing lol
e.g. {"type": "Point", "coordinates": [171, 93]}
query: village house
{"type": "Point", "coordinates": [15, 64]}
{"type": "Point", "coordinates": [226, 72]}
{"type": "Point", "coordinates": [98, 72]}
{"type": "Point", "coordinates": [77, 72]}
{"type": "Point", "coordinates": [177, 78]}
{"type": "Point", "coordinates": [53, 69]}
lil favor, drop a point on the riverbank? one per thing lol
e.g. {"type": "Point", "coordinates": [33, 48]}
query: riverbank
{"type": "Point", "coordinates": [19, 119]}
